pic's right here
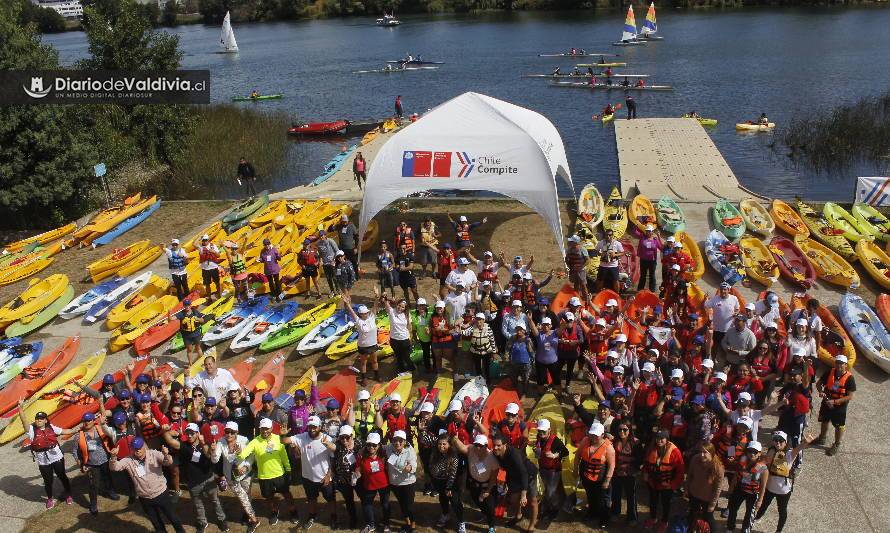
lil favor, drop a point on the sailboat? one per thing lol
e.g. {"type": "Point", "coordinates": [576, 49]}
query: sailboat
{"type": "Point", "coordinates": [629, 36]}
{"type": "Point", "coordinates": [650, 27]}
{"type": "Point", "coordinates": [227, 37]}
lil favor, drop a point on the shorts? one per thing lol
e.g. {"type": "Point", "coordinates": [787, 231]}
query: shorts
{"type": "Point", "coordinates": [578, 277]}
{"type": "Point", "coordinates": [532, 487]}
{"type": "Point", "coordinates": [407, 281]}
{"type": "Point", "coordinates": [192, 338]}
{"type": "Point", "coordinates": [386, 279]}
{"type": "Point", "coordinates": [314, 488]}
{"type": "Point", "coordinates": [426, 255]}
{"type": "Point", "coordinates": [837, 416]}
{"type": "Point", "coordinates": [462, 244]}
{"type": "Point", "coordinates": [268, 487]}
{"type": "Point", "coordinates": [211, 275]}
{"type": "Point", "coordinates": [310, 271]}
{"type": "Point", "coordinates": [368, 350]}
{"type": "Point", "coordinates": [608, 275]}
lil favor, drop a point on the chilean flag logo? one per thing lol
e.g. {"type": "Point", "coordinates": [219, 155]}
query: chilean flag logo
{"type": "Point", "coordinates": [429, 164]}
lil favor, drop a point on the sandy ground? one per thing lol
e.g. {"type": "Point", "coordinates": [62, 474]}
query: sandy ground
{"type": "Point", "coordinates": [841, 493]}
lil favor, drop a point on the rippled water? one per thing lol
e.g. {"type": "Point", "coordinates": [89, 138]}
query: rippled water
{"type": "Point", "coordinates": [730, 65]}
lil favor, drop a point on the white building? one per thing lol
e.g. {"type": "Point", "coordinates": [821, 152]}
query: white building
{"type": "Point", "coordinates": [67, 8]}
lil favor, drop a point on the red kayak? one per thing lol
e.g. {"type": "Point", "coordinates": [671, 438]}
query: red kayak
{"type": "Point", "coordinates": [341, 387]}
{"type": "Point", "coordinates": [39, 374]}
{"type": "Point", "coordinates": [793, 264]}
{"type": "Point", "coordinates": [159, 333]}
{"type": "Point", "coordinates": [882, 304]}
{"type": "Point", "coordinates": [270, 378]}
{"type": "Point", "coordinates": [634, 312]}
{"type": "Point", "coordinates": [319, 128]}
{"type": "Point", "coordinates": [241, 371]}
{"type": "Point", "coordinates": [503, 394]}
{"type": "Point", "coordinates": [629, 263]}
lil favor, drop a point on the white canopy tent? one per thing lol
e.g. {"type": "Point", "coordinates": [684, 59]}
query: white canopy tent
{"type": "Point", "coordinates": [473, 143]}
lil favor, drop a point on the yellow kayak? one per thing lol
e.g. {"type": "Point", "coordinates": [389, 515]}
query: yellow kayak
{"type": "Point", "coordinates": [144, 318]}
{"type": "Point", "coordinates": [116, 259]}
{"type": "Point", "coordinates": [841, 219]}
{"type": "Point", "coordinates": [39, 294]}
{"type": "Point", "coordinates": [875, 260]}
{"type": "Point", "coordinates": [304, 383]}
{"type": "Point", "coordinates": [213, 231]}
{"type": "Point", "coordinates": [141, 261]}
{"type": "Point", "coordinates": [120, 313]}
{"type": "Point", "coordinates": [827, 263]}
{"type": "Point", "coordinates": [825, 232]}
{"type": "Point", "coordinates": [389, 125]}
{"type": "Point", "coordinates": [744, 126]}
{"type": "Point", "coordinates": [760, 264]}
{"type": "Point", "coordinates": [108, 223]}
{"type": "Point", "coordinates": [788, 220]}
{"type": "Point", "coordinates": [275, 208]}
{"type": "Point", "coordinates": [107, 214]}
{"type": "Point", "coordinates": [400, 384]}
{"type": "Point", "coordinates": [615, 218]}
{"type": "Point", "coordinates": [42, 238]}
{"type": "Point", "coordinates": [590, 205]}
{"type": "Point", "coordinates": [691, 248]}
{"type": "Point", "coordinates": [370, 136]}
{"type": "Point", "coordinates": [51, 397]}
{"type": "Point", "coordinates": [641, 212]}
{"type": "Point", "coordinates": [871, 221]}
{"type": "Point", "coordinates": [445, 385]}
{"type": "Point", "coordinates": [293, 207]}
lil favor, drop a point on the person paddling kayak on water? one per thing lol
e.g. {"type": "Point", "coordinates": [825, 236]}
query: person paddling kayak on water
{"type": "Point", "coordinates": [763, 120]}
{"type": "Point", "coordinates": [608, 110]}
{"type": "Point", "coordinates": [254, 94]}
{"type": "Point", "coordinates": [555, 72]}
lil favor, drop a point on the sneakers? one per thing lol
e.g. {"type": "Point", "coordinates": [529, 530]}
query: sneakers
{"type": "Point", "coordinates": [462, 528]}
{"type": "Point", "coordinates": [443, 520]}
{"type": "Point", "coordinates": [50, 503]}
{"type": "Point", "coordinates": [69, 500]}
{"type": "Point", "coordinates": [113, 496]}
{"type": "Point", "coordinates": [833, 450]}
{"type": "Point", "coordinates": [309, 523]}
{"type": "Point", "coordinates": [819, 441]}
{"type": "Point", "coordinates": [273, 519]}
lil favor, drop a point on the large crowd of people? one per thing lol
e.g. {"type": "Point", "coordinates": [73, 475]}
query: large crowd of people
{"type": "Point", "coordinates": [665, 405]}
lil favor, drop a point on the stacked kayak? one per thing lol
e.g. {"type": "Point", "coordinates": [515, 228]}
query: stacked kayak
{"type": "Point", "coordinates": [615, 216]}
{"type": "Point", "coordinates": [724, 257]}
{"type": "Point", "coordinates": [875, 261]}
{"type": "Point", "coordinates": [238, 216]}
{"type": "Point", "coordinates": [823, 231]}
{"type": "Point", "coordinates": [127, 224]}
{"type": "Point", "coordinates": [233, 322]}
{"type": "Point", "coordinates": [121, 293]}
{"type": "Point", "coordinates": [82, 303]}
{"type": "Point", "coordinates": [43, 238]}
{"type": "Point", "coordinates": [757, 218]}
{"type": "Point", "coordinates": [325, 333]}
{"type": "Point", "coordinates": [793, 264]}
{"type": "Point", "coordinates": [28, 262]}
{"type": "Point", "coordinates": [787, 219]}
{"type": "Point", "coordinates": [263, 325]}
{"type": "Point", "coordinates": [841, 220]}
{"type": "Point", "coordinates": [107, 220]}
{"type": "Point", "coordinates": [16, 358]}
{"type": "Point", "coordinates": [827, 263]}
{"type": "Point", "coordinates": [31, 323]}
{"type": "Point", "coordinates": [641, 212]}
{"type": "Point", "coordinates": [866, 329]}
{"type": "Point", "coordinates": [39, 294]}
{"type": "Point", "coordinates": [872, 222]}
{"type": "Point", "coordinates": [300, 326]}
{"type": "Point", "coordinates": [728, 220]}
{"type": "Point", "coordinates": [133, 304]}
{"type": "Point", "coordinates": [670, 216]}
{"type": "Point", "coordinates": [335, 164]}
{"type": "Point", "coordinates": [38, 374]}
{"type": "Point", "coordinates": [111, 263]}
{"type": "Point", "coordinates": [759, 262]}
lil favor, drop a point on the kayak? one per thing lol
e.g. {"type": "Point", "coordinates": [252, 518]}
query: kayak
{"type": "Point", "coordinates": [17, 357]}
{"type": "Point", "coordinates": [724, 257]}
{"type": "Point", "coordinates": [793, 264]}
{"type": "Point", "coordinates": [107, 214]}
{"type": "Point", "coordinates": [703, 121]}
{"type": "Point", "coordinates": [233, 322]}
{"type": "Point", "coordinates": [39, 374]}
{"type": "Point", "coordinates": [759, 263]}
{"type": "Point", "coordinates": [257, 98]}
{"type": "Point", "coordinates": [641, 212]}
{"type": "Point", "coordinates": [493, 408]}
{"type": "Point", "coordinates": [370, 136]}
{"type": "Point", "coordinates": [882, 304]}
{"type": "Point", "coordinates": [302, 324]}
{"type": "Point", "coordinates": [577, 54]}
{"type": "Point", "coordinates": [634, 311]}
{"type": "Point", "coordinates": [51, 397]}
{"type": "Point", "coordinates": [39, 294]}
{"type": "Point", "coordinates": [602, 65]}
{"type": "Point", "coordinates": [269, 379]}
{"type": "Point", "coordinates": [615, 216]}
{"type": "Point", "coordinates": [139, 262]}
{"type": "Point", "coordinates": [406, 61]}
{"type": "Point", "coordinates": [28, 324]}
{"type": "Point", "coordinates": [866, 329]}
{"type": "Point", "coordinates": [841, 220]}
{"type": "Point", "coordinates": [590, 205]}
{"type": "Point", "coordinates": [129, 306]}
{"type": "Point", "coordinates": [608, 118]}
{"type": "Point", "coordinates": [757, 218]}
{"type": "Point", "coordinates": [218, 308]}
{"type": "Point", "coordinates": [245, 209]}
{"type": "Point", "coordinates": [325, 333]}
{"type": "Point", "coordinates": [126, 225]}
{"type": "Point", "coordinates": [728, 219]}
{"type": "Point", "coordinates": [369, 239]}
{"type": "Point", "coordinates": [348, 342]}
{"type": "Point", "coordinates": [828, 264]}
{"type": "Point", "coordinates": [871, 221]}
{"type": "Point", "coordinates": [285, 400]}
{"type": "Point", "coordinates": [748, 126]}
{"type": "Point", "coordinates": [824, 232]}
{"type": "Point", "coordinates": [82, 303]}
{"type": "Point", "coordinates": [438, 395]}
{"type": "Point", "coordinates": [146, 317]}
{"type": "Point", "coordinates": [670, 217]}
{"type": "Point", "coordinates": [42, 238]}
{"type": "Point", "coordinates": [263, 325]}
{"type": "Point", "coordinates": [875, 261]}
{"type": "Point", "coordinates": [267, 215]}
{"type": "Point", "coordinates": [332, 166]}
{"type": "Point", "coordinates": [472, 394]}
{"type": "Point", "coordinates": [610, 87]}
{"type": "Point", "coordinates": [628, 262]}
{"type": "Point", "coordinates": [121, 293]}
{"type": "Point", "coordinates": [26, 268]}
{"type": "Point", "coordinates": [788, 220]}
{"type": "Point", "coordinates": [691, 248]}
{"type": "Point", "coordinates": [319, 128]}
{"type": "Point", "coordinates": [96, 228]}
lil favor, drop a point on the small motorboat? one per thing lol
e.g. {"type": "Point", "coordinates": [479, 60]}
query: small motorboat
{"type": "Point", "coordinates": [337, 127]}
{"type": "Point", "coordinates": [388, 21]}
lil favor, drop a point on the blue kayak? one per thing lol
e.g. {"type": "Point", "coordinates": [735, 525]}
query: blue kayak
{"type": "Point", "coordinates": [264, 325]}
{"type": "Point", "coordinates": [85, 301]}
{"type": "Point", "coordinates": [113, 297]}
{"type": "Point", "coordinates": [21, 357]}
{"type": "Point", "coordinates": [334, 165]}
{"type": "Point", "coordinates": [233, 322]}
{"type": "Point", "coordinates": [127, 225]}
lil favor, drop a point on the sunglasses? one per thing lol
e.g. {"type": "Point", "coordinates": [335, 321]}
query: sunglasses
{"type": "Point", "coordinates": [231, 431]}
{"type": "Point", "coordinates": [371, 445]}
{"type": "Point", "coordinates": [197, 395]}
{"type": "Point", "coordinates": [175, 413]}
{"type": "Point", "coordinates": [623, 429]}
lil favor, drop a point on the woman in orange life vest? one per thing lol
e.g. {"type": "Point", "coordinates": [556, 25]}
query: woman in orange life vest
{"type": "Point", "coordinates": [594, 467]}
{"type": "Point", "coordinates": [47, 453]}
{"type": "Point", "coordinates": [748, 487]}
{"type": "Point", "coordinates": [404, 235]}
{"type": "Point", "coordinates": [93, 450]}
{"type": "Point", "coordinates": [441, 336]}
{"type": "Point", "coordinates": [487, 267]}
{"type": "Point", "coordinates": [730, 442]}
{"type": "Point", "coordinates": [836, 387]}
{"type": "Point", "coordinates": [550, 452]}
{"type": "Point", "coordinates": [309, 261]}
{"type": "Point", "coordinates": [446, 261]}
{"type": "Point", "coordinates": [663, 471]}
{"type": "Point", "coordinates": [628, 458]}
{"type": "Point", "coordinates": [462, 229]}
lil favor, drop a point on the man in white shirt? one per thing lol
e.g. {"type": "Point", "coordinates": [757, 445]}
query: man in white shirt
{"type": "Point", "coordinates": [456, 302]}
{"type": "Point", "coordinates": [215, 381]}
{"type": "Point", "coordinates": [315, 450]}
{"type": "Point", "coordinates": [721, 309]}
{"type": "Point", "coordinates": [518, 267]}
{"type": "Point", "coordinates": [609, 250]}
{"type": "Point", "coordinates": [768, 309]}
{"type": "Point", "coordinates": [462, 274]}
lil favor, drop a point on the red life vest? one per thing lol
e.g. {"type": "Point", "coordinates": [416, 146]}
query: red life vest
{"type": "Point", "coordinates": [435, 334]}
{"type": "Point", "coordinates": [309, 257]}
{"type": "Point", "coordinates": [405, 237]}
{"type": "Point", "coordinates": [148, 428]}
{"type": "Point", "coordinates": [660, 468]}
{"type": "Point", "coordinates": [205, 253]}
{"type": "Point", "coordinates": [563, 343]}
{"type": "Point", "coordinates": [675, 424]}
{"type": "Point", "coordinates": [463, 232]}
{"type": "Point", "coordinates": [624, 457]}
{"type": "Point", "coordinates": [513, 435]}
{"type": "Point", "coordinates": [836, 387]}
{"type": "Point", "coordinates": [394, 423]}
{"type": "Point", "coordinates": [373, 472]}
{"type": "Point", "coordinates": [593, 461]}
{"type": "Point", "coordinates": [44, 439]}
{"type": "Point", "coordinates": [544, 462]}
{"type": "Point", "coordinates": [761, 366]}
{"type": "Point", "coordinates": [598, 343]}
{"type": "Point", "coordinates": [751, 476]}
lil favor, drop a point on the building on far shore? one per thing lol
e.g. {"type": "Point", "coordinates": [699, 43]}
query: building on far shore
{"type": "Point", "coordinates": [69, 9]}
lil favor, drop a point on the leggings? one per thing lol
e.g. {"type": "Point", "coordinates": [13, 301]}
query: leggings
{"type": "Point", "coordinates": [180, 281]}
{"type": "Point", "coordinates": [647, 270]}
{"type": "Point", "coordinates": [274, 284]}
{"type": "Point", "coordinates": [570, 369]}
{"type": "Point", "coordinates": [99, 475]}
{"type": "Point", "coordinates": [699, 509]}
{"type": "Point", "coordinates": [405, 496]}
{"type": "Point", "coordinates": [542, 370]}
{"type": "Point", "coordinates": [329, 275]}
{"type": "Point", "coordinates": [427, 349]}
{"type": "Point", "coordinates": [487, 505]}
{"type": "Point", "coordinates": [598, 504]}
{"type": "Point", "coordinates": [402, 349]}
{"type": "Point", "coordinates": [626, 486]}
{"type": "Point", "coordinates": [482, 365]}
{"type": "Point", "coordinates": [368, 505]}
{"type": "Point", "coordinates": [660, 498]}
{"type": "Point", "coordinates": [454, 503]}
{"type": "Point", "coordinates": [736, 499]}
{"type": "Point", "coordinates": [781, 501]}
{"type": "Point", "coordinates": [159, 507]}
{"type": "Point", "coordinates": [348, 492]}
{"type": "Point", "coordinates": [57, 468]}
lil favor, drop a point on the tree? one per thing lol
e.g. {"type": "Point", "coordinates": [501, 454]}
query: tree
{"type": "Point", "coordinates": [168, 16]}
{"type": "Point", "coordinates": [47, 20]}
{"type": "Point", "coordinates": [46, 157]}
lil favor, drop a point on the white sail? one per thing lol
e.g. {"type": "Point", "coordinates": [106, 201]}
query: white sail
{"type": "Point", "coordinates": [227, 37]}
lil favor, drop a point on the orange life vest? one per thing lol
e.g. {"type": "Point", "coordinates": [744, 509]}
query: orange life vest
{"type": "Point", "coordinates": [463, 232]}
{"type": "Point", "coordinates": [149, 429]}
{"type": "Point", "coordinates": [660, 468]}
{"type": "Point", "coordinates": [544, 462]}
{"type": "Point", "coordinates": [205, 253]}
{"type": "Point", "coordinates": [836, 387]}
{"type": "Point", "coordinates": [593, 462]}
{"type": "Point", "coordinates": [83, 450]}
{"type": "Point", "coordinates": [751, 477]}
{"type": "Point", "coordinates": [514, 434]}
{"type": "Point", "coordinates": [738, 445]}
{"type": "Point", "coordinates": [405, 237]}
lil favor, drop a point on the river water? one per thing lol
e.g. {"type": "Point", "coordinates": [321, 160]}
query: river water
{"type": "Point", "coordinates": [730, 65]}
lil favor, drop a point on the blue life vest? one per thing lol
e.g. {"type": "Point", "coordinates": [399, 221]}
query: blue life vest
{"type": "Point", "coordinates": [176, 261]}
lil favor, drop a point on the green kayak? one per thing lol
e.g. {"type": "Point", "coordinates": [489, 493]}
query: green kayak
{"type": "Point", "coordinates": [297, 328]}
{"type": "Point", "coordinates": [21, 328]}
{"type": "Point", "coordinates": [246, 208]}
{"type": "Point", "coordinates": [842, 220]}
{"type": "Point", "coordinates": [728, 220]}
{"type": "Point", "coordinates": [257, 98]}
{"type": "Point", "coordinates": [670, 216]}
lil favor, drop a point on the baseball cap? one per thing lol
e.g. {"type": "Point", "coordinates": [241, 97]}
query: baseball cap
{"type": "Point", "coordinates": [124, 395]}
{"type": "Point", "coordinates": [480, 315]}
{"type": "Point", "coordinates": [119, 418]}
{"type": "Point", "coordinates": [233, 387]}
{"type": "Point", "coordinates": [698, 399]}
{"type": "Point", "coordinates": [570, 316]}
{"type": "Point", "coordinates": [678, 244]}
{"type": "Point", "coordinates": [841, 358]}
{"type": "Point", "coordinates": [363, 395]}
{"type": "Point", "coordinates": [745, 396]}
{"type": "Point", "coordinates": [333, 404]}
{"type": "Point", "coordinates": [650, 227]}
{"type": "Point", "coordinates": [707, 363]}
{"type": "Point", "coordinates": [720, 375]}
{"type": "Point", "coordinates": [463, 261]}
{"type": "Point", "coordinates": [362, 309]}
{"type": "Point", "coordinates": [574, 238]}
{"type": "Point", "coordinates": [88, 417]}
{"type": "Point", "coordinates": [266, 423]}
{"type": "Point", "coordinates": [174, 241]}
{"type": "Point", "coordinates": [399, 434]}
{"type": "Point", "coordinates": [421, 301]}
{"type": "Point", "coordinates": [677, 373]}
{"type": "Point", "coordinates": [344, 217]}
{"type": "Point", "coordinates": [267, 397]}
{"type": "Point", "coordinates": [755, 445]}
{"type": "Point", "coordinates": [670, 239]}
{"type": "Point", "coordinates": [192, 427]}
{"type": "Point", "coordinates": [543, 300]}
{"type": "Point", "coordinates": [516, 303]}
{"type": "Point", "coordinates": [772, 299]}
{"type": "Point", "coordinates": [138, 443]}
{"type": "Point", "coordinates": [574, 300]}
{"type": "Point", "coordinates": [617, 369]}
{"type": "Point", "coordinates": [232, 425]}
{"type": "Point", "coordinates": [488, 254]}
{"type": "Point", "coordinates": [205, 237]}
{"type": "Point", "coordinates": [612, 302]}
{"type": "Point", "coordinates": [267, 241]}
{"type": "Point", "coordinates": [143, 378]}
{"type": "Point", "coordinates": [661, 434]}
{"type": "Point", "coordinates": [373, 438]}
{"type": "Point", "coordinates": [800, 322]}
{"type": "Point", "coordinates": [345, 429]}
{"type": "Point", "coordinates": [395, 397]}
{"type": "Point", "coordinates": [341, 252]}
{"type": "Point", "coordinates": [546, 320]}
{"type": "Point", "coordinates": [427, 407]}
{"type": "Point", "coordinates": [596, 429]}
{"type": "Point", "coordinates": [648, 367]}
{"type": "Point", "coordinates": [600, 322]}
{"type": "Point", "coordinates": [481, 440]}
{"type": "Point", "coordinates": [799, 352]}
{"type": "Point", "coordinates": [675, 267]}
{"type": "Point", "coordinates": [745, 421]}
{"type": "Point", "coordinates": [462, 218]}
{"type": "Point", "coordinates": [108, 379]}
{"type": "Point", "coordinates": [211, 401]}
{"type": "Point", "coordinates": [750, 307]}
{"type": "Point", "coordinates": [512, 409]}
{"type": "Point", "coordinates": [543, 425]}
{"type": "Point", "coordinates": [455, 405]}
{"type": "Point", "coordinates": [698, 339]}
{"type": "Point", "coordinates": [313, 421]}
{"type": "Point", "coordinates": [621, 337]}
{"type": "Point", "coordinates": [780, 435]}
{"type": "Point", "coordinates": [440, 304]}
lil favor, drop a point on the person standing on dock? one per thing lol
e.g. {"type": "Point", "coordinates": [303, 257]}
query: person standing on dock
{"type": "Point", "coordinates": [399, 106]}
{"type": "Point", "coordinates": [631, 107]}
{"type": "Point", "coordinates": [247, 177]}
{"type": "Point", "coordinates": [327, 249]}
{"type": "Point", "coordinates": [359, 169]}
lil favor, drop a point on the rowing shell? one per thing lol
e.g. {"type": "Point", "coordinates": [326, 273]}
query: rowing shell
{"type": "Point", "coordinates": [583, 75]}
{"type": "Point", "coordinates": [392, 70]}
{"type": "Point", "coordinates": [578, 55]}
{"type": "Point", "coordinates": [416, 62]}
{"type": "Point", "coordinates": [581, 85]}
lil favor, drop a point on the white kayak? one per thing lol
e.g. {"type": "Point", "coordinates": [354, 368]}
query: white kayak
{"type": "Point", "coordinates": [236, 320]}
{"type": "Point", "coordinates": [325, 333]}
{"type": "Point", "coordinates": [82, 303]}
{"type": "Point", "coordinates": [866, 329]}
{"type": "Point", "coordinates": [472, 394]}
{"type": "Point", "coordinates": [101, 307]}
{"type": "Point", "coordinates": [259, 329]}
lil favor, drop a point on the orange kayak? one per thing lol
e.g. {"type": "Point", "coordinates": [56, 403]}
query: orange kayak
{"type": "Point", "coordinates": [835, 341]}
{"type": "Point", "coordinates": [341, 387]}
{"type": "Point", "coordinates": [241, 371]}
{"type": "Point", "coordinates": [39, 374]}
{"type": "Point", "coordinates": [604, 296]}
{"type": "Point", "coordinates": [882, 304]}
{"type": "Point", "coordinates": [561, 300]}
{"type": "Point", "coordinates": [270, 378]}
{"type": "Point", "coordinates": [493, 409]}
{"type": "Point", "coordinates": [634, 309]}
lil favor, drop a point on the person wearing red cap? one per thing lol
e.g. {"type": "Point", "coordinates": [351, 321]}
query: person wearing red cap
{"type": "Point", "coordinates": [144, 469]}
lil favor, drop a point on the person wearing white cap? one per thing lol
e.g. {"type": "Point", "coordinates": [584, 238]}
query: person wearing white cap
{"type": "Point", "coordinates": [744, 408]}
{"type": "Point", "coordinates": [780, 459]}
{"type": "Point", "coordinates": [342, 468]}
{"type": "Point", "coordinates": [512, 427]}
{"type": "Point", "coordinates": [457, 300]}
{"type": "Point", "coordinates": [516, 317]}
{"type": "Point", "coordinates": [594, 467]}
{"type": "Point", "coordinates": [810, 313]}
{"type": "Point", "coordinates": [345, 275]}
{"type": "Point", "coordinates": [550, 452]}
{"type": "Point", "coordinates": [395, 417]}
{"type": "Point", "coordinates": [237, 269]}
{"type": "Point", "coordinates": [610, 250]}
{"type": "Point", "coordinates": [482, 469]}
{"type": "Point", "coordinates": [647, 251]}
{"type": "Point", "coordinates": [464, 275]}
{"type": "Point", "coordinates": [748, 487]}
{"type": "Point", "coordinates": [837, 387]}
{"type": "Point", "coordinates": [444, 464]}
{"type": "Point", "coordinates": [227, 449]}
{"type": "Point", "coordinates": [176, 260]}
{"type": "Point", "coordinates": [721, 309]}
{"type": "Point", "coordinates": [482, 345]}
{"type": "Point", "coordinates": [420, 325]}
{"type": "Point", "coordinates": [462, 229]}
{"type": "Point", "coordinates": [442, 337]}
{"type": "Point", "coordinates": [315, 449]}
{"type": "Point", "coordinates": [663, 470]}
{"type": "Point", "coordinates": [800, 338]}
{"type": "Point", "coordinates": [576, 266]}
{"type": "Point", "coordinates": [738, 341]}
{"type": "Point", "coordinates": [730, 442]}
{"type": "Point", "coordinates": [366, 326]}
{"type": "Point", "coordinates": [401, 468]}
{"type": "Point", "coordinates": [208, 255]}
{"type": "Point", "coordinates": [273, 468]}
{"type": "Point", "coordinates": [547, 363]}
{"type": "Point", "coordinates": [521, 350]}
{"type": "Point", "coordinates": [371, 469]}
